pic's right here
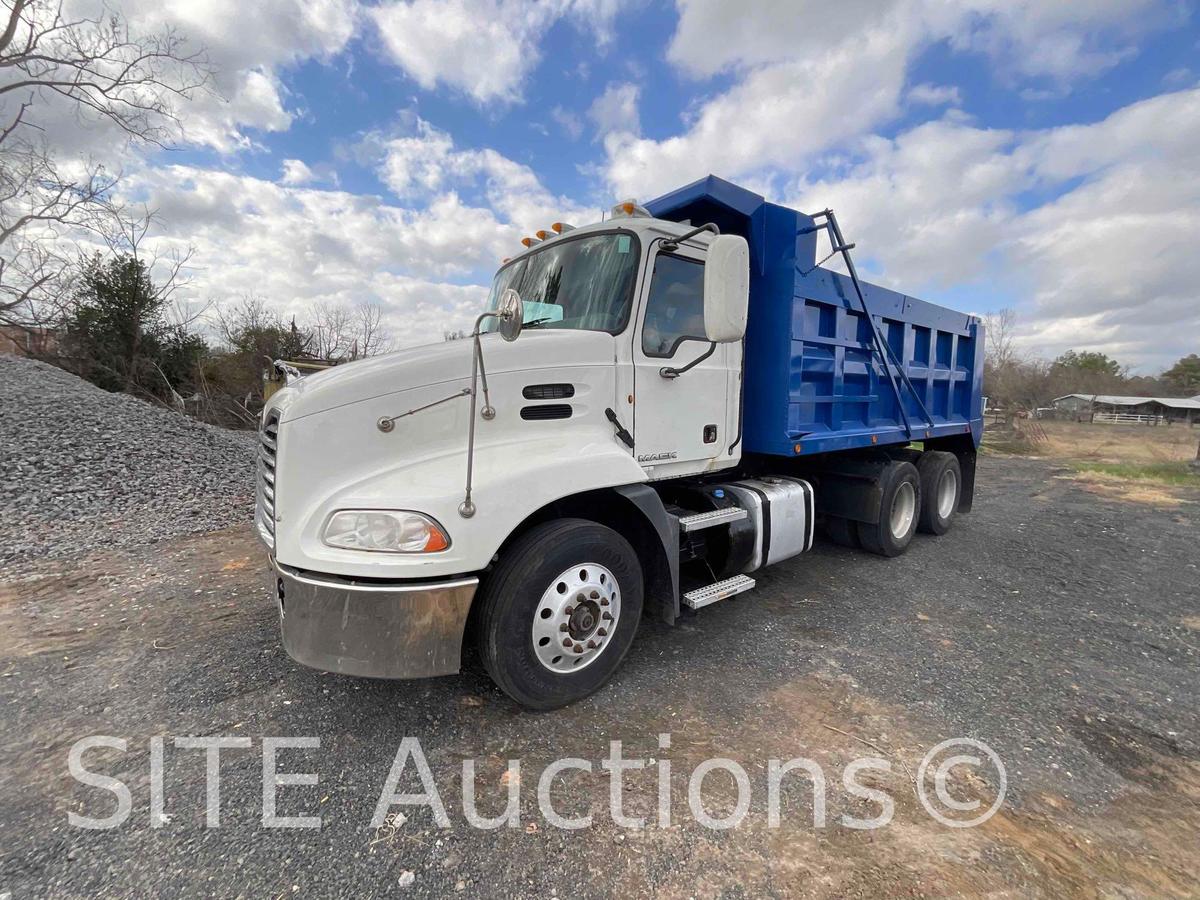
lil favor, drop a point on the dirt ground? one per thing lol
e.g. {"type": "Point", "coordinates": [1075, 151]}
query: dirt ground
{"type": "Point", "coordinates": [1060, 627]}
{"type": "Point", "coordinates": [1119, 443]}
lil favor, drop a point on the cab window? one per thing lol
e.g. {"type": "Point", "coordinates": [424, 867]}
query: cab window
{"type": "Point", "coordinates": [675, 309]}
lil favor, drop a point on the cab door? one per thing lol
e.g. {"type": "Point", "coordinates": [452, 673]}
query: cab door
{"type": "Point", "coordinates": [680, 420]}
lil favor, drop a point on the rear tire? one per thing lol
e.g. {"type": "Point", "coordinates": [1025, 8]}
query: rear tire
{"type": "Point", "coordinates": [898, 511]}
{"type": "Point", "coordinates": [842, 532]}
{"type": "Point", "coordinates": [941, 484]}
{"type": "Point", "coordinates": [558, 588]}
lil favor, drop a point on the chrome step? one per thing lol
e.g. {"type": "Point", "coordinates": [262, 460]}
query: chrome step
{"type": "Point", "coordinates": [718, 591]}
{"type": "Point", "coordinates": [714, 517]}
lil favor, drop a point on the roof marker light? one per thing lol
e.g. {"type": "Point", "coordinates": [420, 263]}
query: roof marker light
{"type": "Point", "coordinates": [561, 227]}
{"type": "Point", "coordinates": [529, 242]}
{"type": "Point", "coordinates": [543, 235]}
{"type": "Point", "coordinates": [629, 209]}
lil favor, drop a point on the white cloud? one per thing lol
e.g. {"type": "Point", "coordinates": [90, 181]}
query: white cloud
{"type": "Point", "coordinates": [776, 116]}
{"type": "Point", "coordinates": [616, 110]}
{"type": "Point", "coordinates": [426, 161]}
{"type": "Point", "coordinates": [248, 44]}
{"type": "Point", "coordinates": [1032, 37]}
{"type": "Point", "coordinates": [568, 122]}
{"type": "Point", "coordinates": [1109, 263]}
{"type": "Point", "coordinates": [296, 172]}
{"type": "Point", "coordinates": [927, 94]}
{"type": "Point", "coordinates": [812, 77]}
{"type": "Point", "coordinates": [484, 48]}
{"type": "Point", "coordinates": [296, 246]}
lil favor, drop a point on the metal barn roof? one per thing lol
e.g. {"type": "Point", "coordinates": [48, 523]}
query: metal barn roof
{"type": "Point", "coordinates": [1113, 400]}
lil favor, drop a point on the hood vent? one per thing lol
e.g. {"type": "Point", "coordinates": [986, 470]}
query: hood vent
{"type": "Point", "coordinates": [548, 392]}
{"type": "Point", "coordinates": [546, 411]}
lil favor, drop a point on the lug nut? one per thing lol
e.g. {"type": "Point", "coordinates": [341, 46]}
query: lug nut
{"type": "Point", "coordinates": [606, 616]}
{"type": "Point", "coordinates": [563, 627]}
{"type": "Point", "coordinates": [604, 602]}
{"type": "Point", "coordinates": [579, 648]}
{"type": "Point", "coordinates": [603, 632]}
{"type": "Point", "coordinates": [568, 610]}
{"type": "Point", "coordinates": [567, 643]}
{"type": "Point", "coordinates": [591, 645]}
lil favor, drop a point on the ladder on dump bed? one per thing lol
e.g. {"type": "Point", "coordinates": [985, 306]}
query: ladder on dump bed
{"type": "Point", "coordinates": [886, 355]}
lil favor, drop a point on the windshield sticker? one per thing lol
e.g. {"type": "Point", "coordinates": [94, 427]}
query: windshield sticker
{"type": "Point", "coordinates": [623, 243]}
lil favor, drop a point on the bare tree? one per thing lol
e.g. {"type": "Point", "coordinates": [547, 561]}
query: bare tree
{"type": "Point", "coordinates": [371, 336]}
{"type": "Point", "coordinates": [95, 69]}
{"type": "Point", "coordinates": [331, 326]}
{"type": "Point", "coordinates": [1000, 329]}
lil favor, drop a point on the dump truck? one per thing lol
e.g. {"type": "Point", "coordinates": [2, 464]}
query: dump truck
{"type": "Point", "coordinates": [648, 411]}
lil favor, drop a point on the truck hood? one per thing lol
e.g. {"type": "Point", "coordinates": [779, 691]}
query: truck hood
{"type": "Point", "coordinates": [448, 362]}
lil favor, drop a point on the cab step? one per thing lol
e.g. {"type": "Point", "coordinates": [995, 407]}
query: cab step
{"type": "Point", "coordinates": [719, 590]}
{"type": "Point", "coordinates": [697, 521]}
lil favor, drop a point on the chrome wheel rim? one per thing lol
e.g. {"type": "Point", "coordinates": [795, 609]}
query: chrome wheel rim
{"type": "Point", "coordinates": [904, 508]}
{"type": "Point", "coordinates": [574, 622]}
{"type": "Point", "coordinates": [947, 494]}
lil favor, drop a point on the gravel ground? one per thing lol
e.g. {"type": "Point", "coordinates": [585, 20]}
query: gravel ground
{"type": "Point", "coordinates": [83, 469]}
{"type": "Point", "coordinates": [1061, 627]}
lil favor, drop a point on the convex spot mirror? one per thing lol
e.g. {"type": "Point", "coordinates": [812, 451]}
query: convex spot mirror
{"type": "Point", "coordinates": [726, 288]}
{"type": "Point", "coordinates": [511, 313]}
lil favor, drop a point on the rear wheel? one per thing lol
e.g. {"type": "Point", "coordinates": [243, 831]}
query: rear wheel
{"type": "Point", "coordinates": [559, 612]}
{"type": "Point", "coordinates": [898, 511]}
{"type": "Point", "coordinates": [941, 482]}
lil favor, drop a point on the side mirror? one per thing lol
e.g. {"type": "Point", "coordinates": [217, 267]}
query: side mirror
{"type": "Point", "coordinates": [726, 288]}
{"type": "Point", "coordinates": [511, 313]}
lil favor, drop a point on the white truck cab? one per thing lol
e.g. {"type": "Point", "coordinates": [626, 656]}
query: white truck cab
{"type": "Point", "coordinates": [573, 465]}
{"type": "Point", "coordinates": [363, 467]}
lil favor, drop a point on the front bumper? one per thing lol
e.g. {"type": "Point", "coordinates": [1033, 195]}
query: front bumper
{"type": "Point", "coordinates": [370, 629]}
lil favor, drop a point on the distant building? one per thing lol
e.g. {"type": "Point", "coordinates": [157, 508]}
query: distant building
{"type": "Point", "coordinates": [21, 341]}
{"type": "Point", "coordinates": [1114, 409]}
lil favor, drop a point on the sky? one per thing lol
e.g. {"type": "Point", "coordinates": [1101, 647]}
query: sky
{"type": "Point", "coordinates": [982, 154]}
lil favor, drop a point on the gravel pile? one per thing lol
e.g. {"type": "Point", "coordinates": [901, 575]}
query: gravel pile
{"type": "Point", "coordinates": [82, 469]}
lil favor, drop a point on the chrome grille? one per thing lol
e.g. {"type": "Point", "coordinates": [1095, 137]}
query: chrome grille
{"type": "Point", "coordinates": [268, 448]}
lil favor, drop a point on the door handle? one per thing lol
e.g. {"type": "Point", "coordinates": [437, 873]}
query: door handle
{"type": "Point", "coordinates": [669, 372]}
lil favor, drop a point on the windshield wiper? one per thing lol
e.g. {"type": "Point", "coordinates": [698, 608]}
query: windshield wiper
{"type": "Point", "coordinates": [534, 323]}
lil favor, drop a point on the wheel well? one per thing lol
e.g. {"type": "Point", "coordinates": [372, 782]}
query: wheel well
{"type": "Point", "coordinates": [617, 511]}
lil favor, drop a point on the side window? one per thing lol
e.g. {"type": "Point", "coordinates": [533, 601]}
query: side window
{"type": "Point", "coordinates": [675, 309]}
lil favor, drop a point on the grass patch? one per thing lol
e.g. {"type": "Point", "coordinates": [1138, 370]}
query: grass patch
{"type": "Point", "coordinates": [1177, 473]}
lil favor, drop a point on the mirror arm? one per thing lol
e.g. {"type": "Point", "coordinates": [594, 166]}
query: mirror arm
{"type": "Point", "coordinates": [673, 244]}
{"type": "Point", "coordinates": [669, 372]}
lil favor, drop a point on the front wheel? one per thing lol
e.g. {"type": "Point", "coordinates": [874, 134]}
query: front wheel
{"type": "Point", "coordinates": [559, 612]}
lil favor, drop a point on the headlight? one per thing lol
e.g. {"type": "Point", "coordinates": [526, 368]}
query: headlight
{"type": "Point", "coordinates": [389, 531]}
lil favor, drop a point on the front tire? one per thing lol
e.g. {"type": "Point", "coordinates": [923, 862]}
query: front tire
{"type": "Point", "coordinates": [559, 612]}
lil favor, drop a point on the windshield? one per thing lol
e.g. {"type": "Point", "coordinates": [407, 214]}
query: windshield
{"type": "Point", "coordinates": [582, 283]}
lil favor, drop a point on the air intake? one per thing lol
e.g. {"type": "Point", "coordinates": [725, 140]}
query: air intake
{"type": "Point", "coordinates": [548, 391]}
{"type": "Point", "coordinates": [546, 411]}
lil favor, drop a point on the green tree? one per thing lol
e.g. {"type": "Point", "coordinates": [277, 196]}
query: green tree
{"type": "Point", "coordinates": [1089, 361]}
{"type": "Point", "coordinates": [1184, 376]}
{"type": "Point", "coordinates": [117, 335]}
{"type": "Point", "coordinates": [1087, 372]}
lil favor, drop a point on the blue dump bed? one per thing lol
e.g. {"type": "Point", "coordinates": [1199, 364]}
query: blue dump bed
{"type": "Point", "coordinates": [815, 378]}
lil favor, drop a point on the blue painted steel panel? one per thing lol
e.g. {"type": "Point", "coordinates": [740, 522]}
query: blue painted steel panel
{"type": "Point", "coordinates": [815, 381]}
